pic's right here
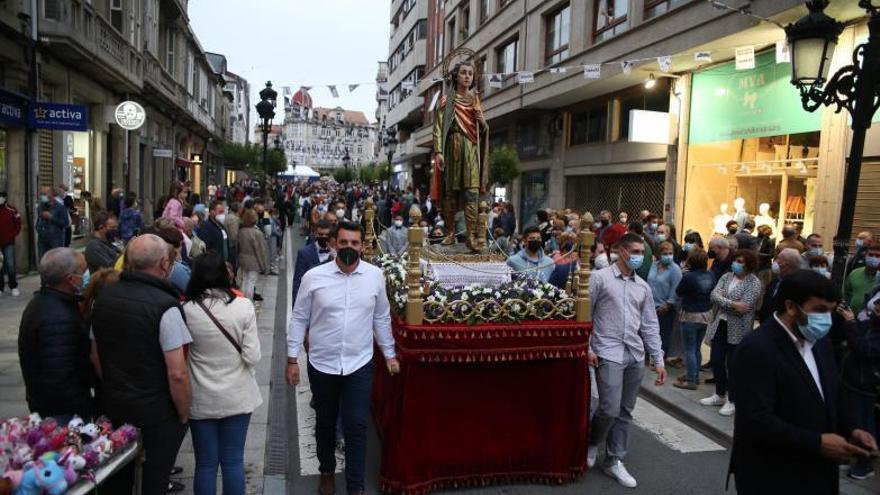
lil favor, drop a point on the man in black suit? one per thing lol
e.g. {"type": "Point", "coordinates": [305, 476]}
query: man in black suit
{"type": "Point", "coordinates": [213, 232]}
{"type": "Point", "coordinates": [312, 254]}
{"type": "Point", "coordinates": [787, 437]}
{"type": "Point", "coordinates": [787, 262]}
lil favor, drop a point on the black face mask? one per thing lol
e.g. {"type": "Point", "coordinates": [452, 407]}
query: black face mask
{"type": "Point", "coordinates": [112, 235]}
{"type": "Point", "coordinates": [322, 241]}
{"type": "Point", "coordinates": [732, 230]}
{"type": "Point", "coordinates": [348, 255]}
{"type": "Point", "coordinates": [534, 245]}
{"type": "Point", "coordinates": [711, 254]}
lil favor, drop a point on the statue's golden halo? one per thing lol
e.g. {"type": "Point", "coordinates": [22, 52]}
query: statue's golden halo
{"type": "Point", "coordinates": [461, 54]}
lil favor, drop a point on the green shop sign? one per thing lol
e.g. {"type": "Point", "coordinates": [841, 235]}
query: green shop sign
{"type": "Point", "coordinates": [728, 104]}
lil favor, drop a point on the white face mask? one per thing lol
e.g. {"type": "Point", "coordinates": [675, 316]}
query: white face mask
{"type": "Point", "coordinates": [2, 200]}
{"type": "Point", "coordinates": [221, 218]}
{"type": "Point", "coordinates": [398, 223]}
{"type": "Point", "coordinates": [340, 213]}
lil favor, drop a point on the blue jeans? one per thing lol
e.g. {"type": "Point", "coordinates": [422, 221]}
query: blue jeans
{"type": "Point", "coordinates": [353, 392]}
{"type": "Point", "coordinates": [219, 442]}
{"type": "Point", "coordinates": [722, 357]}
{"type": "Point", "coordinates": [692, 337]}
{"type": "Point", "coordinates": [8, 267]}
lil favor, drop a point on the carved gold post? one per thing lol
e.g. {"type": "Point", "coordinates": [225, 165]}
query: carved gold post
{"type": "Point", "coordinates": [414, 311]}
{"type": "Point", "coordinates": [586, 238]}
{"type": "Point", "coordinates": [482, 226]}
{"type": "Point", "coordinates": [370, 235]}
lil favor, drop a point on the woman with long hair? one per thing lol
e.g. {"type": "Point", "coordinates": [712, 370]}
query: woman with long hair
{"type": "Point", "coordinates": [174, 205]}
{"type": "Point", "coordinates": [222, 360]}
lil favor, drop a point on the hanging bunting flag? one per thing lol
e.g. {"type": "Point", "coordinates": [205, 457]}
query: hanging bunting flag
{"type": "Point", "coordinates": [703, 57]}
{"type": "Point", "coordinates": [306, 88]}
{"type": "Point", "coordinates": [557, 70]}
{"type": "Point", "coordinates": [286, 102]}
{"type": "Point", "coordinates": [434, 101]}
{"type": "Point", "coordinates": [407, 85]}
{"type": "Point", "coordinates": [627, 67]}
{"type": "Point", "coordinates": [783, 56]}
{"type": "Point", "coordinates": [285, 90]}
{"type": "Point", "coordinates": [495, 81]}
{"type": "Point", "coordinates": [665, 63]}
{"type": "Point", "coordinates": [745, 58]}
{"type": "Point", "coordinates": [593, 71]}
{"type": "Point", "coordinates": [352, 87]}
{"type": "Point", "coordinates": [525, 77]}
{"type": "Point", "coordinates": [333, 91]}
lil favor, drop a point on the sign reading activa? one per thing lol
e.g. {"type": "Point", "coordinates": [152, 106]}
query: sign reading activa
{"type": "Point", "coordinates": [12, 109]}
{"type": "Point", "coordinates": [58, 116]}
{"type": "Point", "coordinates": [728, 104]}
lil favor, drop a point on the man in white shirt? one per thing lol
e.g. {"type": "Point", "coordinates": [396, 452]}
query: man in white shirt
{"type": "Point", "coordinates": [342, 304]}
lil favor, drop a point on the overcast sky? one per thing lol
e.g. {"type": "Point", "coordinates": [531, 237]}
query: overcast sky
{"type": "Point", "coordinates": [299, 43]}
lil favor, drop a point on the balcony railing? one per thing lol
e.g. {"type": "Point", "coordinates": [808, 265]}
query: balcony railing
{"type": "Point", "coordinates": [80, 29]}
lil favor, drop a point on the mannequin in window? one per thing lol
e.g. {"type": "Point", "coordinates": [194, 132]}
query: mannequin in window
{"type": "Point", "coordinates": [764, 218]}
{"type": "Point", "coordinates": [740, 215]}
{"type": "Point", "coordinates": [719, 223]}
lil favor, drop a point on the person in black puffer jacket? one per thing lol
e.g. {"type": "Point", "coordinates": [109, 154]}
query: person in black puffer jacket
{"type": "Point", "coordinates": [53, 341]}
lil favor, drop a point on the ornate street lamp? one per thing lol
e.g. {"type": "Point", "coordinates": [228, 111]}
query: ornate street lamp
{"type": "Point", "coordinates": [266, 110]}
{"type": "Point", "coordinates": [855, 87]}
{"type": "Point", "coordinates": [346, 159]}
{"type": "Point", "coordinates": [390, 144]}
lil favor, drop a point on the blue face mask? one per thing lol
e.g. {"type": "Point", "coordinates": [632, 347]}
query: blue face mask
{"type": "Point", "coordinates": [687, 247]}
{"type": "Point", "coordinates": [816, 251]}
{"type": "Point", "coordinates": [666, 259]}
{"type": "Point", "coordinates": [660, 237]}
{"type": "Point", "coordinates": [872, 261]}
{"type": "Point", "coordinates": [818, 325]}
{"type": "Point", "coordinates": [635, 261]}
{"type": "Point", "coordinates": [86, 277]}
{"type": "Point", "coordinates": [824, 271]}
{"type": "Point", "coordinates": [736, 267]}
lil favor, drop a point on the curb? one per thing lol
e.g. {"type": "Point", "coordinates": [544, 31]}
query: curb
{"type": "Point", "coordinates": [684, 415]}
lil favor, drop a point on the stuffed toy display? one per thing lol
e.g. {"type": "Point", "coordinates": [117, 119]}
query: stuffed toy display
{"type": "Point", "coordinates": [39, 456]}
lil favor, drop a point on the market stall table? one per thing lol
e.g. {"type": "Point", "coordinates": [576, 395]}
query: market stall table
{"type": "Point", "coordinates": [483, 404]}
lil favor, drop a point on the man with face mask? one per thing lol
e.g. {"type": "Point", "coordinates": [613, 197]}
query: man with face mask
{"type": "Point", "coordinates": [52, 220]}
{"type": "Point", "coordinates": [531, 260]}
{"type": "Point", "coordinates": [343, 305]}
{"type": "Point", "coordinates": [213, 231]}
{"type": "Point", "coordinates": [625, 327]}
{"type": "Point", "coordinates": [144, 372]}
{"type": "Point", "coordinates": [789, 240]}
{"type": "Point", "coordinates": [53, 343]}
{"type": "Point", "coordinates": [395, 241]}
{"type": "Point", "coordinates": [312, 254]}
{"type": "Point", "coordinates": [101, 252]}
{"type": "Point", "coordinates": [788, 436]}
{"type": "Point", "coordinates": [10, 227]}
{"type": "Point", "coordinates": [861, 281]}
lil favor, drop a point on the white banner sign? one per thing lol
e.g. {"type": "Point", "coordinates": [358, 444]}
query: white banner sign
{"type": "Point", "coordinates": [163, 153]}
{"type": "Point", "coordinates": [745, 58]}
{"type": "Point", "coordinates": [592, 71]}
{"type": "Point", "coordinates": [525, 77]}
{"type": "Point", "coordinates": [783, 56]}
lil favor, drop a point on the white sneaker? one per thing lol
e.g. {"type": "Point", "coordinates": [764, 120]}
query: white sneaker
{"type": "Point", "coordinates": [715, 400]}
{"type": "Point", "coordinates": [728, 409]}
{"type": "Point", "coordinates": [592, 454]}
{"type": "Point", "coordinates": [619, 472]}
{"type": "Point", "coordinates": [16, 292]}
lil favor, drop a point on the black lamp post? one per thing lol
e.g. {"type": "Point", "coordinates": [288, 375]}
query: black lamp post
{"type": "Point", "coordinates": [266, 110]}
{"type": "Point", "coordinates": [346, 159]}
{"type": "Point", "coordinates": [854, 87]}
{"type": "Point", "coordinates": [390, 144]}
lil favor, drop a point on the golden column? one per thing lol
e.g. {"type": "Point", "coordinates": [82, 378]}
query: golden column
{"type": "Point", "coordinates": [482, 226]}
{"type": "Point", "coordinates": [370, 234]}
{"type": "Point", "coordinates": [586, 238]}
{"type": "Point", "coordinates": [415, 236]}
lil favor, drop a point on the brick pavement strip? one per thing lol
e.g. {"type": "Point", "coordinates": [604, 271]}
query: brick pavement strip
{"type": "Point", "coordinates": [12, 392]}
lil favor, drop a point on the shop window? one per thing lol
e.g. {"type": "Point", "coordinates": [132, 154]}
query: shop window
{"type": "Point", "coordinates": [422, 29]}
{"type": "Point", "coordinates": [610, 17]}
{"type": "Point", "coordinates": [630, 192]}
{"type": "Point", "coordinates": [170, 41]}
{"type": "Point", "coordinates": [558, 31]}
{"type": "Point", "coordinates": [590, 126]}
{"type": "Point", "coordinates": [531, 138]}
{"type": "Point", "coordinates": [465, 23]}
{"type": "Point", "coordinates": [655, 101]}
{"type": "Point", "coordinates": [653, 8]}
{"type": "Point", "coordinates": [506, 56]}
{"type": "Point", "coordinates": [450, 35]}
{"type": "Point", "coordinates": [484, 11]}
{"type": "Point", "coordinates": [52, 10]}
{"type": "Point", "coordinates": [116, 14]}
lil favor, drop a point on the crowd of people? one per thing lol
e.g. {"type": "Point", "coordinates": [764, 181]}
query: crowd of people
{"type": "Point", "coordinates": [188, 281]}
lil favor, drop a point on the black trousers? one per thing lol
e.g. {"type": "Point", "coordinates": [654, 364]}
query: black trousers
{"type": "Point", "coordinates": [161, 442]}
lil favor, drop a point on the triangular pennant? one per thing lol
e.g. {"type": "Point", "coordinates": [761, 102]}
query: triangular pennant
{"type": "Point", "coordinates": [525, 77]}
{"type": "Point", "coordinates": [592, 71]}
{"type": "Point", "coordinates": [665, 63]}
{"type": "Point", "coordinates": [352, 87]}
{"type": "Point", "coordinates": [626, 66]}
{"type": "Point", "coordinates": [703, 57]}
{"type": "Point", "coordinates": [557, 70]}
{"type": "Point", "coordinates": [333, 91]}
{"type": "Point", "coordinates": [407, 85]}
{"type": "Point", "coordinates": [496, 81]}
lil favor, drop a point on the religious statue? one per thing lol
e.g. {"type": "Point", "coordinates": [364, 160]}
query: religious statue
{"type": "Point", "coordinates": [460, 168]}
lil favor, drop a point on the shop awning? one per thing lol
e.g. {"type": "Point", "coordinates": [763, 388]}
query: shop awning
{"type": "Point", "coordinates": [302, 171]}
{"type": "Point", "coordinates": [183, 162]}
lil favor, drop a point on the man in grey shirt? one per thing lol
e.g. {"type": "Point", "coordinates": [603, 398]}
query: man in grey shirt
{"type": "Point", "coordinates": [101, 252]}
{"type": "Point", "coordinates": [624, 324]}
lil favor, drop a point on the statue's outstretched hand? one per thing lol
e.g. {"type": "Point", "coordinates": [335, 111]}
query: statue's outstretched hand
{"type": "Point", "coordinates": [441, 163]}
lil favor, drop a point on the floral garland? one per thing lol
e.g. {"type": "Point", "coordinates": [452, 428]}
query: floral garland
{"type": "Point", "coordinates": [522, 298]}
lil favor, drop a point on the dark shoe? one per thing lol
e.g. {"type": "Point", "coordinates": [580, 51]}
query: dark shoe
{"type": "Point", "coordinates": [327, 485]}
{"type": "Point", "coordinates": [175, 486]}
{"type": "Point", "coordinates": [709, 381]}
{"type": "Point", "coordinates": [176, 470]}
{"type": "Point", "coordinates": [685, 385]}
{"type": "Point", "coordinates": [257, 297]}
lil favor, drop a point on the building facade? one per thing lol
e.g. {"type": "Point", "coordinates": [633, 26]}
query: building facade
{"type": "Point", "coordinates": [323, 138]}
{"type": "Point", "coordinates": [79, 59]}
{"type": "Point", "coordinates": [581, 141]}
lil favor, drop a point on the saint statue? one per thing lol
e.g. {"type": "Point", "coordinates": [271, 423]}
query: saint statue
{"type": "Point", "coordinates": [460, 170]}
